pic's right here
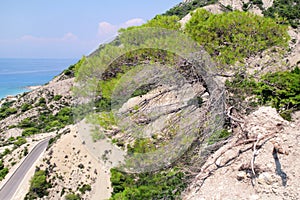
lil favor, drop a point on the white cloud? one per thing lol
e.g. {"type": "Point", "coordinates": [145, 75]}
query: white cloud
{"type": "Point", "coordinates": [65, 38]}
{"type": "Point", "coordinates": [133, 22]}
{"type": "Point", "coordinates": [107, 30]}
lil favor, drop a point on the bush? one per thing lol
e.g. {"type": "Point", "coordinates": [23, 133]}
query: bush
{"type": "Point", "coordinates": [72, 197]}
{"type": "Point", "coordinates": [280, 90]}
{"type": "Point", "coordinates": [42, 100]}
{"type": "Point", "coordinates": [30, 131]}
{"type": "Point", "coordinates": [141, 145]}
{"type": "Point", "coordinates": [20, 142]}
{"type": "Point", "coordinates": [26, 123]}
{"type": "Point", "coordinates": [287, 10]}
{"type": "Point", "coordinates": [38, 186]}
{"type": "Point", "coordinates": [217, 136]}
{"type": "Point", "coordinates": [25, 107]}
{"type": "Point", "coordinates": [6, 151]}
{"type": "Point", "coordinates": [6, 111]}
{"type": "Point", "coordinates": [57, 97]}
{"type": "Point", "coordinates": [232, 36]}
{"type": "Point", "coordinates": [160, 185]}
{"type": "Point", "coordinates": [183, 9]}
{"type": "Point", "coordinates": [3, 173]}
{"type": "Point", "coordinates": [85, 188]}
{"type": "Point", "coordinates": [160, 21]}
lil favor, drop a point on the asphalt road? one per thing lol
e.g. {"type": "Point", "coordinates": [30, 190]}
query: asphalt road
{"type": "Point", "coordinates": [11, 186]}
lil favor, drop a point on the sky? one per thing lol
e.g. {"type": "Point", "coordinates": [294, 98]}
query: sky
{"type": "Point", "coordinates": [68, 28]}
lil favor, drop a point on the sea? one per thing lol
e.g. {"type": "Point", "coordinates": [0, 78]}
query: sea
{"type": "Point", "coordinates": [16, 75]}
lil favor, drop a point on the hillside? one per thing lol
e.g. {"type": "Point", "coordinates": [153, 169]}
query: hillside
{"type": "Point", "coordinates": [194, 104]}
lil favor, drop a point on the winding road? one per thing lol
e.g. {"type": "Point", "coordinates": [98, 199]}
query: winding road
{"type": "Point", "coordinates": [10, 187]}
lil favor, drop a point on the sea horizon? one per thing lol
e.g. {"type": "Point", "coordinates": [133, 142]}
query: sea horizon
{"type": "Point", "coordinates": [18, 74]}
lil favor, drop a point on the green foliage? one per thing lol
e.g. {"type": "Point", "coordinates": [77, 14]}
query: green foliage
{"type": "Point", "coordinates": [6, 152]}
{"type": "Point", "coordinates": [141, 145]}
{"type": "Point", "coordinates": [46, 122]}
{"type": "Point", "coordinates": [249, 4]}
{"type": "Point", "coordinates": [26, 123]}
{"type": "Point", "coordinates": [25, 153]}
{"type": "Point", "coordinates": [20, 141]}
{"type": "Point", "coordinates": [103, 104]}
{"type": "Point", "coordinates": [70, 72]}
{"type": "Point", "coordinates": [3, 173]}
{"type": "Point", "coordinates": [288, 10]}
{"type": "Point", "coordinates": [85, 188]}
{"type": "Point", "coordinates": [280, 90]}
{"type": "Point", "coordinates": [72, 196]}
{"type": "Point", "coordinates": [159, 21]}
{"type": "Point", "coordinates": [168, 22]}
{"type": "Point", "coordinates": [105, 119]}
{"type": "Point", "coordinates": [232, 36]}
{"type": "Point", "coordinates": [161, 185]}
{"type": "Point", "coordinates": [183, 9]}
{"type": "Point", "coordinates": [79, 64]}
{"type": "Point", "coordinates": [11, 139]}
{"type": "Point", "coordinates": [25, 107]}
{"type": "Point", "coordinates": [107, 87]}
{"type": "Point", "coordinates": [42, 100]}
{"type": "Point", "coordinates": [3, 170]}
{"type": "Point", "coordinates": [38, 186]}
{"type": "Point", "coordinates": [57, 97]}
{"type": "Point", "coordinates": [6, 111]}
{"type": "Point", "coordinates": [144, 89]}
{"type": "Point", "coordinates": [30, 131]}
{"type": "Point", "coordinates": [218, 135]}
{"type": "Point", "coordinates": [11, 111]}
{"type": "Point", "coordinates": [1, 164]}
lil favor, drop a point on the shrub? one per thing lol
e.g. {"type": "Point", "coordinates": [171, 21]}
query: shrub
{"type": "Point", "coordinates": [85, 188]}
{"type": "Point", "coordinates": [57, 97]}
{"type": "Point", "coordinates": [160, 21]}
{"type": "Point", "coordinates": [72, 197]}
{"type": "Point", "coordinates": [3, 173]}
{"type": "Point", "coordinates": [287, 10]}
{"type": "Point", "coordinates": [30, 131]}
{"type": "Point", "coordinates": [38, 186]}
{"type": "Point", "coordinates": [6, 151]}
{"type": "Point", "coordinates": [183, 9]}
{"type": "Point", "coordinates": [217, 136]}
{"type": "Point", "coordinates": [280, 90]}
{"type": "Point", "coordinates": [26, 123]}
{"type": "Point", "coordinates": [25, 107]}
{"type": "Point", "coordinates": [232, 36]}
{"type": "Point", "coordinates": [160, 185]}
{"type": "Point", "coordinates": [20, 141]}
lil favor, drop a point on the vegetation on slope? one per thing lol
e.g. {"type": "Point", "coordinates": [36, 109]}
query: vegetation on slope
{"type": "Point", "coordinates": [183, 9]}
{"type": "Point", "coordinates": [46, 122]}
{"type": "Point", "coordinates": [280, 90]}
{"type": "Point", "coordinates": [232, 36]}
{"type": "Point", "coordinates": [288, 10]}
{"type": "Point", "coordinates": [161, 21]}
{"type": "Point", "coordinates": [3, 170]}
{"type": "Point", "coordinates": [167, 184]}
{"type": "Point", "coordinates": [38, 186]}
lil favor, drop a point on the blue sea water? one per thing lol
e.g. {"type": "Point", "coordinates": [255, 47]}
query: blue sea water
{"type": "Point", "coordinates": [17, 74]}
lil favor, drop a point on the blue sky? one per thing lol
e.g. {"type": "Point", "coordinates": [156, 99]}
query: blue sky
{"type": "Point", "coordinates": [65, 28]}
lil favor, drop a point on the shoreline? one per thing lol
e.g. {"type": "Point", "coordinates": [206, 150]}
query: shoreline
{"type": "Point", "coordinates": [32, 87]}
{"type": "Point", "coordinates": [23, 90]}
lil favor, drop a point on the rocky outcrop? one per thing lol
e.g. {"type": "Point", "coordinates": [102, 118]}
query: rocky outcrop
{"type": "Point", "coordinates": [270, 150]}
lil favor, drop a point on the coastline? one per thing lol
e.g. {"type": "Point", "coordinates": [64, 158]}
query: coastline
{"type": "Point", "coordinates": [33, 87]}
{"type": "Point", "coordinates": [13, 96]}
